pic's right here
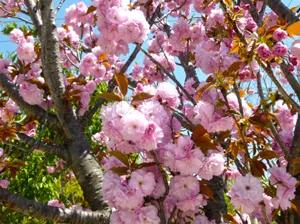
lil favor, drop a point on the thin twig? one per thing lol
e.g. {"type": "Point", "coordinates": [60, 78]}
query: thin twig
{"type": "Point", "coordinates": [173, 10]}
{"type": "Point", "coordinates": [261, 13]}
{"type": "Point", "coordinates": [172, 215]}
{"type": "Point", "coordinates": [168, 74]}
{"type": "Point", "coordinates": [284, 93]}
{"type": "Point", "coordinates": [273, 129]}
{"type": "Point", "coordinates": [165, 179]}
{"type": "Point", "coordinates": [14, 16]}
{"type": "Point", "coordinates": [237, 93]}
{"type": "Point", "coordinates": [59, 5]}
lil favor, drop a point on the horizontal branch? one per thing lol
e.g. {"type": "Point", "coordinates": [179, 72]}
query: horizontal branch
{"type": "Point", "coordinates": [34, 111]}
{"type": "Point", "coordinates": [49, 148]}
{"type": "Point", "coordinates": [63, 215]}
{"type": "Point", "coordinates": [282, 11]}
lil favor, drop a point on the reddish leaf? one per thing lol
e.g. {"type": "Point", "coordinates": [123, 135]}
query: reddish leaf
{"type": "Point", "coordinates": [257, 168]}
{"type": "Point", "coordinates": [234, 66]}
{"type": "Point", "coordinates": [110, 96]}
{"type": "Point", "coordinates": [204, 189]}
{"type": "Point", "coordinates": [91, 9]}
{"type": "Point", "coordinates": [120, 170]}
{"type": "Point", "coordinates": [141, 96]}
{"type": "Point", "coordinates": [268, 154]}
{"type": "Point", "coordinates": [296, 206]}
{"type": "Point", "coordinates": [13, 171]}
{"type": "Point", "coordinates": [202, 138]}
{"type": "Point", "coordinates": [230, 218]}
{"type": "Point", "coordinates": [140, 166]}
{"type": "Point", "coordinates": [233, 149]}
{"type": "Point", "coordinates": [120, 156]}
{"type": "Point", "coordinates": [122, 82]}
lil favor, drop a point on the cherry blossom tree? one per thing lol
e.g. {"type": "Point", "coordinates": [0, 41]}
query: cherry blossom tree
{"type": "Point", "coordinates": [180, 111]}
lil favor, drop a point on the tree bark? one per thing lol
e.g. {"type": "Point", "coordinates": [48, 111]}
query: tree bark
{"type": "Point", "coordinates": [31, 208]}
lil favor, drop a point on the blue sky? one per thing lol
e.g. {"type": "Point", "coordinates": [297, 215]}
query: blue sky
{"type": "Point", "coordinates": [7, 46]}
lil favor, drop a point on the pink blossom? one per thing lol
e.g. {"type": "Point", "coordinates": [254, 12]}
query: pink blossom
{"type": "Point", "coordinates": [233, 103]}
{"type": "Point", "coordinates": [76, 207]}
{"type": "Point", "coordinates": [137, 73]}
{"type": "Point", "coordinates": [286, 187]}
{"type": "Point", "coordinates": [279, 49]}
{"type": "Point", "coordinates": [118, 194]}
{"type": "Point", "coordinates": [2, 154]}
{"type": "Point", "coordinates": [205, 58]}
{"type": "Point", "coordinates": [100, 137]}
{"type": "Point", "coordinates": [31, 93]}
{"type": "Point", "coordinates": [99, 72]}
{"type": "Point", "coordinates": [203, 113]}
{"type": "Point", "coordinates": [215, 16]}
{"type": "Point", "coordinates": [50, 169]}
{"type": "Point", "coordinates": [110, 162]}
{"type": "Point", "coordinates": [286, 119]}
{"type": "Point", "coordinates": [246, 193]}
{"type": "Point", "coordinates": [143, 181]}
{"type": "Point", "coordinates": [90, 87]}
{"type": "Point", "coordinates": [147, 215]}
{"type": "Point", "coordinates": [134, 126]}
{"type": "Point", "coordinates": [222, 124]}
{"type": "Point", "coordinates": [12, 106]}
{"type": "Point", "coordinates": [185, 190]}
{"type": "Point", "coordinates": [16, 36]}
{"type": "Point", "coordinates": [279, 34]}
{"type": "Point", "coordinates": [4, 183]}
{"type": "Point", "coordinates": [87, 64]}
{"type": "Point", "coordinates": [295, 49]}
{"type": "Point", "coordinates": [268, 206]}
{"type": "Point", "coordinates": [184, 187]}
{"type": "Point", "coordinates": [263, 51]}
{"type": "Point", "coordinates": [203, 220]}
{"type": "Point", "coordinates": [25, 51]}
{"type": "Point", "coordinates": [212, 166]}
{"type": "Point", "coordinates": [181, 157]}
{"type": "Point", "coordinates": [56, 203]}
{"type": "Point", "coordinates": [4, 65]}
{"type": "Point", "coordinates": [232, 173]}
{"type": "Point", "coordinates": [287, 138]}
{"type": "Point", "coordinates": [152, 137]}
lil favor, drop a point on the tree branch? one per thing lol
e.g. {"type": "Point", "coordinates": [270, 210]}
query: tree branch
{"type": "Point", "coordinates": [51, 66]}
{"type": "Point", "coordinates": [31, 208]}
{"type": "Point", "coordinates": [49, 148]}
{"type": "Point", "coordinates": [271, 125]}
{"type": "Point", "coordinates": [34, 14]}
{"type": "Point", "coordinates": [284, 93]}
{"type": "Point", "coordinates": [35, 111]}
{"type": "Point", "coordinates": [291, 79]}
{"type": "Point", "coordinates": [168, 74]}
{"type": "Point", "coordinates": [59, 6]}
{"type": "Point", "coordinates": [282, 11]}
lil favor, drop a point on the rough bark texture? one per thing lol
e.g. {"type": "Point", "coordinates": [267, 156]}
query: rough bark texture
{"type": "Point", "coordinates": [49, 148]}
{"type": "Point", "coordinates": [282, 11]}
{"type": "Point", "coordinates": [215, 209]}
{"type": "Point", "coordinates": [62, 215]}
{"type": "Point", "coordinates": [33, 110]}
{"type": "Point", "coordinates": [78, 152]}
{"type": "Point", "coordinates": [87, 170]}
